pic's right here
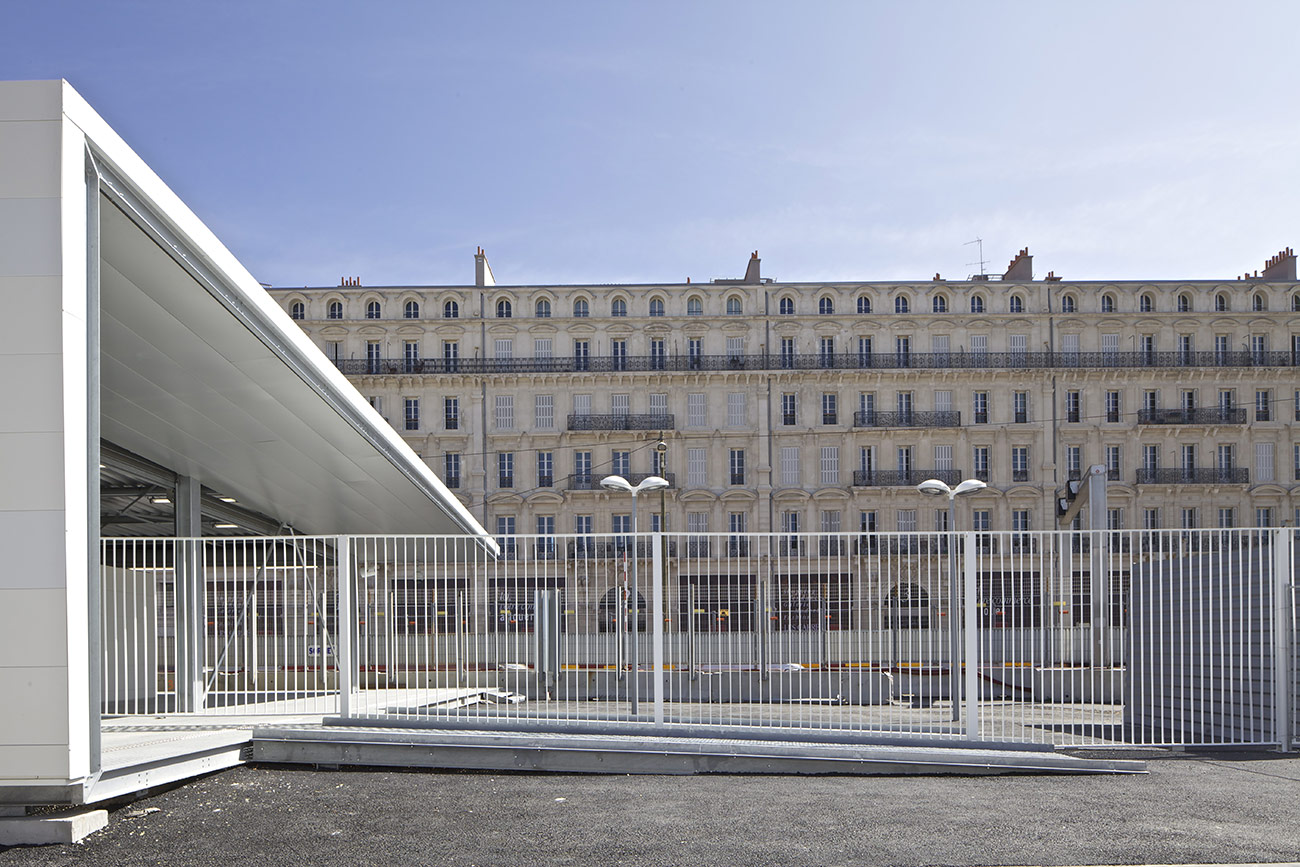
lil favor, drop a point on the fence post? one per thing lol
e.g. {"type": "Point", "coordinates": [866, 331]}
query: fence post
{"type": "Point", "coordinates": [343, 631]}
{"type": "Point", "coordinates": [1283, 601]}
{"type": "Point", "coordinates": [971, 624]}
{"type": "Point", "coordinates": [657, 607]}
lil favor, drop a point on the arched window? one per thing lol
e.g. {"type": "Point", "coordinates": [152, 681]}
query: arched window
{"type": "Point", "coordinates": [618, 307]}
{"type": "Point", "coordinates": [372, 310]}
{"type": "Point", "coordinates": [977, 304]}
{"type": "Point", "coordinates": [411, 310]}
{"type": "Point", "coordinates": [1259, 303]}
{"type": "Point", "coordinates": [1068, 304]}
{"type": "Point", "coordinates": [1146, 303]}
{"type": "Point", "coordinates": [503, 309]}
{"type": "Point", "coordinates": [901, 305]}
{"type": "Point", "coordinates": [1221, 303]}
{"type": "Point", "coordinates": [1108, 303]}
{"type": "Point", "coordinates": [543, 310]}
{"type": "Point", "coordinates": [656, 307]}
{"type": "Point", "coordinates": [1184, 303]}
{"type": "Point", "coordinates": [694, 306]}
{"type": "Point", "coordinates": [297, 310]}
{"type": "Point", "coordinates": [864, 304]}
{"type": "Point", "coordinates": [826, 305]}
{"type": "Point", "coordinates": [939, 304]}
{"type": "Point", "coordinates": [450, 310]}
{"type": "Point", "coordinates": [1295, 301]}
{"type": "Point", "coordinates": [580, 308]}
{"type": "Point", "coordinates": [733, 306]}
{"type": "Point", "coordinates": [335, 310]}
{"type": "Point", "coordinates": [1016, 304]}
{"type": "Point", "coordinates": [786, 306]}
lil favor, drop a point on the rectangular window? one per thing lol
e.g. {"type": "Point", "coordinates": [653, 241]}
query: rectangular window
{"type": "Point", "coordinates": [903, 403]}
{"type": "Point", "coordinates": [1151, 519]}
{"type": "Point", "coordinates": [1114, 519]}
{"type": "Point", "coordinates": [620, 404]}
{"type": "Point", "coordinates": [904, 459]}
{"type": "Point", "coordinates": [1227, 518]}
{"type": "Point", "coordinates": [1018, 345]}
{"type": "Point", "coordinates": [451, 413]}
{"type": "Point", "coordinates": [830, 408]}
{"type": "Point", "coordinates": [373, 356]}
{"type": "Point", "coordinates": [1189, 456]}
{"type": "Point", "coordinates": [411, 355]}
{"type": "Point", "coordinates": [736, 409]}
{"type": "Point", "coordinates": [451, 469]}
{"type": "Point", "coordinates": [505, 469]}
{"type": "Point", "coordinates": [1072, 406]}
{"type": "Point", "coordinates": [542, 347]}
{"type": "Point", "coordinates": [830, 465]}
{"type": "Point", "coordinates": [737, 464]}
{"type": "Point", "coordinates": [659, 403]}
{"type": "Point", "coordinates": [545, 469]}
{"type": "Point", "coordinates": [1227, 456]}
{"type": "Point", "coordinates": [1073, 462]}
{"type": "Point", "coordinates": [1263, 517]}
{"type": "Point", "coordinates": [789, 406]}
{"type": "Point", "coordinates": [1147, 346]}
{"type": "Point", "coordinates": [980, 407]}
{"type": "Point", "coordinates": [867, 521]}
{"type": "Point", "coordinates": [582, 469]}
{"type": "Point", "coordinates": [867, 459]}
{"type": "Point", "coordinates": [696, 473]}
{"type": "Point", "coordinates": [1020, 463]}
{"type": "Point", "coordinates": [1113, 463]}
{"type": "Point", "coordinates": [1112, 406]}
{"type": "Point", "coordinates": [582, 404]}
{"type": "Point", "coordinates": [657, 355]}
{"type": "Point", "coordinates": [1150, 457]}
{"type": "Point", "coordinates": [940, 346]}
{"type": "Point", "coordinates": [1295, 462]}
{"type": "Point", "coordinates": [504, 347]}
{"type": "Point", "coordinates": [943, 401]}
{"type": "Point", "coordinates": [790, 466]}
{"type": "Point", "coordinates": [412, 413]}
{"type": "Point", "coordinates": [1110, 344]}
{"type": "Point", "coordinates": [980, 520]}
{"type": "Point", "coordinates": [906, 520]}
{"type": "Point", "coordinates": [866, 409]}
{"type": "Point", "coordinates": [943, 458]}
{"type": "Point", "coordinates": [1150, 400]}
{"type": "Point", "coordinates": [903, 351]}
{"type": "Point", "coordinates": [621, 463]}
{"type": "Point", "coordinates": [979, 344]}
{"type": "Point", "coordinates": [546, 532]}
{"type": "Point", "coordinates": [505, 535]}
{"type": "Point", "coordinates": [1221, 349]}
{"type": "Point", "coordinates": [544, 411]}
{"type": "Point", "coordinates": [787, 353]}
{"type": "Point", "coordinates": [980, 459]}
{"type": "Point", "coordinates": [583, 525]}
{"type": "Point", "coordinates": [582, 355]}
{"type": "Point", "coordinates": [1263, 405]}
{"type": "Point", "coordinates": [735, 348]}
{"type": "Point", "coordinates": [826, 352]}
{"type": "Point", "coordinates": [505, 412]}
{"type": "Point", "coordinates": [1189, 519]}
{"type": "Point", "coordinates": [694, 351]}
{"type": "Point", "coordinates": [1020, 407]}
{"type": "Point", "coordinates": [864, 352]}
{"type": "Point", "coordinates": [450, 355]}
{"type": "Point", "coordinates": [696, 410]}
{"type": "Point", "coordinates": [1264, 453]}
{"type": "Point", "coordinates": [1258, 348]}
{"type": "Point", "coordinates": [1186, 351]}
{"type": "Point", "coordinates": [618, 354]}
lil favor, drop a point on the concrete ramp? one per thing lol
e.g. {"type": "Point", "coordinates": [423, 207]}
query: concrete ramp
{"type": "Point", "coordinates": [628, 754]}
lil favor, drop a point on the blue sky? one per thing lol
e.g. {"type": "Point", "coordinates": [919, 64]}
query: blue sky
{"type": "Point", "coordinates": [617, 142]}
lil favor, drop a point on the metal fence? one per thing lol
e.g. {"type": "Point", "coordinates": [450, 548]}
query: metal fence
{"type": "Point", "coordinates": [1067, 638]}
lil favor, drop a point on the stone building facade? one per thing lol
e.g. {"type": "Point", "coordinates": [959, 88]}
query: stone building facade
{"type": "Point", "coordinates": [817, 407]}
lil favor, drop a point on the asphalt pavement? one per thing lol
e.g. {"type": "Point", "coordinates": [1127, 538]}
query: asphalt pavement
{"type": "Point", "coordinates": [1214, 807]}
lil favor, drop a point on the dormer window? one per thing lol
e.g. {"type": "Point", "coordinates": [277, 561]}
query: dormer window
{"type": "Point", "coordinates": [656, 307]}
{"type": "Point", "coordinates": [1146, 303]}
{"type": "Point", "coordinates": [334, 310]}
{"type": "Point", "coordinates": [1184, 303]}
{"type": "Point", "coordinates": [864, 304]}
{"type": "Point", "coordinates": [297, 310]}
{"type": "Point", "coordinates": [618, 308]}
{"type": "Point", "coordinates": [504, 310]}
{"type": "Point", "coordinates": [581, 310]}
{"type": "Point", "coordinates": [733, 306]}
{"type": "Point", "coordinates": [786, 306]}
{"type": "Point", "coordinates": [694, 306]}
{"type": "Point", "coordinates": [372, 310]}
{"type": "Point", "coordinates": [1016, 304]}
{"type": "Point", "coordinates": [450, 310]}
{"type": "Point", "coordinates": [939, 304]}
{"type": "Point", "coordinates": [901, 305]}
{"type": "Point", "coordinates": [826, 305]}
{"type": "Point", "coordinates": [411, 310]}
{"type": "Point", "coordinates": [1108, 303]}
{"type": "Point", "coordinates": [977, 304]}
{"type": "Point", "coordinates": [543, 309]}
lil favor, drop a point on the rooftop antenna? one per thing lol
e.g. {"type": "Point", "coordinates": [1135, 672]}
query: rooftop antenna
{"type": "Point", "coordinates": [982, 261]}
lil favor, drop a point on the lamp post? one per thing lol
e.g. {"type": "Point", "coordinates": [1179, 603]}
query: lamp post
{"type": "Point", "coordinates": [936, 488]}
{"type": "Point", "coordinates": [649, 483]}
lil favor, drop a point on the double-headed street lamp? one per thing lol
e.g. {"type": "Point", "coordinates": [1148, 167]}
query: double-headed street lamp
{"type": "Point", "coordinates": [936, 488]}
{"type": "Point", "coordinates": [649, 483]}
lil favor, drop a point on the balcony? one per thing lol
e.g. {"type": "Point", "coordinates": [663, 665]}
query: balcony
{"type": "Point", "coordinates": [547, 481]}
{"type": "Point", "coordinates": [622, 421]}
{"type": "Point", "coordinates": [906, 418]}
{"type": "Point", "coordinates": [452, 481]}
{"type": "Point", "coordinates": [583, 482]}
{"type": "Point", "coordinates": [818, 361]}
{"type": "Point", "coordinates": [902, 478]}
{"type": "Point", "coordinates": [1206, 415]}
{"type": "Point", "coordinates": [505, 481]}
{"type": "Point", "coordinates": [1194, 476]}
{"type": "Point", "coordinates": [1020, 475]}
{"type": "Point", "coordinates": [638, 478]}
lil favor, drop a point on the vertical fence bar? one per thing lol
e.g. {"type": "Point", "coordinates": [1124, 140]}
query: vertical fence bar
{"type": "Point", "coordinates": [971, 623]}
{"type": "Point", "coordinates": [657, 603]}
{"type": "Point", "coordinates": [1283, 635]}
{"type": "Point", "coordinates": [344, 616]}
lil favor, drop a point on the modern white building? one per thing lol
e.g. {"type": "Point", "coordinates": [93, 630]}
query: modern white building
{"type": "Point", "coordinates": [145, 369]}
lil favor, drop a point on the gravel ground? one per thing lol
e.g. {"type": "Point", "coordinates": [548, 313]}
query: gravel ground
{"type": "Point", "coordinates": [1192, 808]}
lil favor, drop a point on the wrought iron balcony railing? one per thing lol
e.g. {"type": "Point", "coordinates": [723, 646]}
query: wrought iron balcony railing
{"type": "Point", "coordinates": [902, 478]}
{"type": "Point", "coordinates": [1201, 415]}
{"type": "Point", "coordinates": [622, 421]}
{"type": "Point", "coordinates": [583, 482]}
{"type": "Point", "coordinates": [1194, 476]}
{"type": "Point", "coordinates": [818, 361]}
{"type": "Point", "coordinates": [906, 418]}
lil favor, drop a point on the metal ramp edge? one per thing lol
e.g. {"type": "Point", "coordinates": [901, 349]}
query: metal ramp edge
{"type": "Point", "coordinates": [625, 754]}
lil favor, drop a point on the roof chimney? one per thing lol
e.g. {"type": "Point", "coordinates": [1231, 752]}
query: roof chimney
{"type": "Point", "coordinates": [1281, 266]}
{"type": "Point", "coordinates": [482, 270]}
{"type": "Point", "coordinates": [1021, 268]}
{"type": "Point", "coordinates": [752, 269]}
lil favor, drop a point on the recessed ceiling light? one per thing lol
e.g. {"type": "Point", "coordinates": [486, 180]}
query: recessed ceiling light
{"type": "Point", "coordinates": [160, 501]}
{"type": "Point", "coordinates": [226, 499]}
{"type": "Point", "coordinates": [227, 526]}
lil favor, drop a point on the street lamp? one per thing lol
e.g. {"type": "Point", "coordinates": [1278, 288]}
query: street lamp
{"type": "Point", "coordinates": [936, 488]}
{"type": "Point", "coordinates": [649, 483]}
